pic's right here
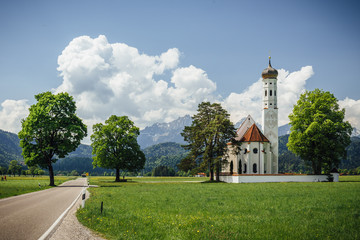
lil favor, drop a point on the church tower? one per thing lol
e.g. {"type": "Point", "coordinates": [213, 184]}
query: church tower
{"type": "Point", "coordinates": [270, 117]}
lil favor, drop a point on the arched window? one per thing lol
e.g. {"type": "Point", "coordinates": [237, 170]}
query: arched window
{"type": "Point", "coordinates": [240, 167]}
{"type": "Point", "coordinates": [254, 168]}
{"type": "Point", "coordinates": [270, 93]}
{"type": "Point", "coordinates": [245, 168]}
{"type": "Point", "coordinates": [245, 151]}
{"type": "Point", "coordinates": [255, 150]}
{"type": "Point", "coordinates": [265, 93]}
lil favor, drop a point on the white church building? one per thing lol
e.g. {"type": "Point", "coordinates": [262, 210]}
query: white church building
{"type": "Point", "coordinates": [255, 159]}
{"type": "Point", "coordinates": [258, 150]}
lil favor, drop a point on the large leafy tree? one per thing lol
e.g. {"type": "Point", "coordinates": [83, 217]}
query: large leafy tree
{"type": "Point", "coordinates": [51, 131]}
{"type": "Point", "coordinates": [115, 145]}
{"type": "Point", "coordinates": [207, 138]}
{"type": "Point", "coordinates": [319, 134]}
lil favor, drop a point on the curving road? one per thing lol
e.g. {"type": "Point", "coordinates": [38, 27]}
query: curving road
{"type": "Point", "coordinates": [29, 216]}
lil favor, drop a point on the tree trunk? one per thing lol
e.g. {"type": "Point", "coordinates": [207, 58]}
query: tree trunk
{"type": "Point", "coordinates": [51, 175]}
{"type": "Point", "coordinates": [117, 178]}
{"type": "Point", "coordinates": [313, 165]}
{"type": "Point", "coordinates": [316, 167]}
{"type": "Point", "coordinates": [218, 171]}
{"type": "Point", "coordinates": [318, 170]}
{"type": "Point", "coordinates": [211, 172]}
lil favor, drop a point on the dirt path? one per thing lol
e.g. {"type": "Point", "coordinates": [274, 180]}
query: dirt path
{"type": "Point", "coordinates": [71, 228]}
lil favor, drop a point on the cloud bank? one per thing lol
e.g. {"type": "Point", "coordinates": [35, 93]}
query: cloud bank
{"type": "Point", "coordinates": [107, 79]}
{"type": "Point", "coordinates": [116, 79]}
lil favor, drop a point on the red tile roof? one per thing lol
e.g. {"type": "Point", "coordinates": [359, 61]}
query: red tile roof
{"type": "Point", "coordinates": [253, 134]}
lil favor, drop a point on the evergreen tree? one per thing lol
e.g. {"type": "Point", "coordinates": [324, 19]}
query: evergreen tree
{"type": "Point", "coordinates": [207, 138]}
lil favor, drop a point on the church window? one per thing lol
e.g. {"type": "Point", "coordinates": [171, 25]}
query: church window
{"type": "Point", "coordinates": [254, 168]}
{"type": "Point", "coordinates": [245, 168]}
{"type": "Point", "coordinates": [245, 151]}
{"type": "Point", "coordinates": [265, 93]}
{"type": "Point", "coordinates": [270, 93]}
{"type": "Point", "coordinates": [275, 93]}
{"type": "Point", "coordinates": [240, 167]}
{"type": "Point", "coordinates": [270, 82]}
{"type": "Point", "coordinates": [270, 103]}
{"type": "Point", "coordinates": [255, 150]}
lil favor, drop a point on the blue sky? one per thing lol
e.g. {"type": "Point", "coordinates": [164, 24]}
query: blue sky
{"type": "Point", "coordinates": [228, 40]}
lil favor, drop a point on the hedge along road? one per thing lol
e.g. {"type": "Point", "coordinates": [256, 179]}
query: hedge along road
{"type": "Point", "coordinates": [29, 216]}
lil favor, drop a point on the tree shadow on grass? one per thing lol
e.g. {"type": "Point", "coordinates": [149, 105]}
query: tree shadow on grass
{"type": "Point", "coordinates": [213, 181]}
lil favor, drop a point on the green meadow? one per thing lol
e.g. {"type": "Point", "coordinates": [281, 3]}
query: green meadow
{"type": "Point", "coordinates": [159, 208]}
{"type": "Point", "coordinates": [19, 185]}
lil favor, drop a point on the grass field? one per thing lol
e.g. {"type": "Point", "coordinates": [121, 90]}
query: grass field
{"type": "Point", "coordinates": [146, 209]}
{"type": "Point", "coordinates": [20, 185]}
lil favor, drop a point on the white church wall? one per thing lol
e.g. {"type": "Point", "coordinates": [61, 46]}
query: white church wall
{"type": "Point", "coordinates": [278, 178]}
{"type": "Point", "coordinates": [232, 157]}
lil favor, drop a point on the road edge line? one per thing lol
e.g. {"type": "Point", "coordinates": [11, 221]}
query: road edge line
{"type": "Point", "coordinates": [52, 227]}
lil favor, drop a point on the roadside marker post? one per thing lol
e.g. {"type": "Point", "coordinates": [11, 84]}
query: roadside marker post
{"type": "Point", "coordinates": [83, 198]}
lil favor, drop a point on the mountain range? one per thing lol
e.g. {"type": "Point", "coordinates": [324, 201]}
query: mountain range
{"type": "Point", "coordinates": [171, 132]}
{"type": "Point", "coordinates": [164, 132]}
{"type": "Point", "coordinates": [158, 133]}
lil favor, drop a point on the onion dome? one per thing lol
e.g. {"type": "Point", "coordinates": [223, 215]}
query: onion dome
{"type": "Point", "coordinates": [269, 72]}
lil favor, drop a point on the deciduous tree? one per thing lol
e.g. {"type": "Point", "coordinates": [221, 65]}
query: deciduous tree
{"type": "Point", "coordinates": [207, 138]}
{"type": "Point", "coordinates": [319, 134]}
{"type": "Point", "coordinates": [3, 170]}
{"type": "Point", "coordinates": [115, 145]}
{"type": "Point", "coordinates": [51, 131]}
{"type": "Point", "coordinates": [14, 167]}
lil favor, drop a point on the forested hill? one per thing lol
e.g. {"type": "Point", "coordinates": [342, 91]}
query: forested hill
{"type": "Point", "coordinates": [288, 162]}
{"type": "Point", "coordinates": [165, 154]}
{"type": "Point", "coordinates": [9, 148]}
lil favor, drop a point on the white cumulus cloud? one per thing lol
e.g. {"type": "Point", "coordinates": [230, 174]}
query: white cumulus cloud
{"type": "Point", "coordinates": [107, 79]}
{"type": "Point", "coordinates": [352, 111]}
{"type": "Point", "coordinates": [11, 114]}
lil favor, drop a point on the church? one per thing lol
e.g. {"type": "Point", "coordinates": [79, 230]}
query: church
{"type": "Point", "coordinates": [258, 149]}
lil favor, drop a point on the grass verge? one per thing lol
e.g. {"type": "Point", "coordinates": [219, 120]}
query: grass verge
{"type": "Point", "coordinates": [182, 210]}
{"type": "Point", "coordinates": [14, 186]}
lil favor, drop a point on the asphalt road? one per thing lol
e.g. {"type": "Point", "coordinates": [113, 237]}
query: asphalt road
{"type": "Point", "coordinates": [29, 216]}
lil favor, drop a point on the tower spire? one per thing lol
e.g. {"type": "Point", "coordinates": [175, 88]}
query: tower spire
{"type": "Point", "coordinates": [270, 115]}
{"type": "Point", "coordinates": [270, 61]}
